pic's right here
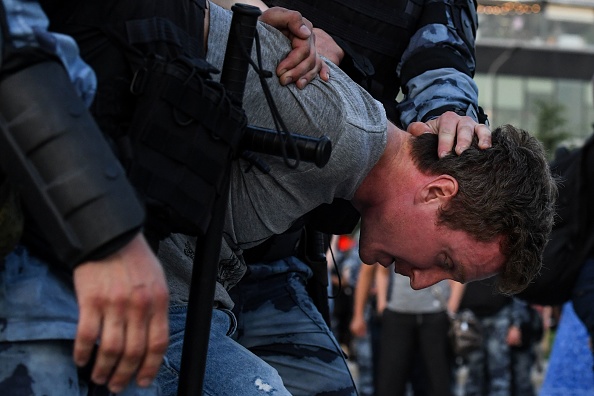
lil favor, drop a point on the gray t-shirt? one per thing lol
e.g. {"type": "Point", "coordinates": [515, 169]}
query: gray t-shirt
{"type": "Point", "coordinates": [404, 299]}
{"type": "Point", "coordinates": [261, 205]}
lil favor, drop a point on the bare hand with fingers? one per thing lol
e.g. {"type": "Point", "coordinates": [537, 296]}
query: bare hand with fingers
{"type": "Point", "coordinates": [327, 47]}
{"type": "Point", "coordinates": [123, 301]}
{"type": "Point", "coordinates": [303, 63]}
{"type": "Point", "coordinates": [455, 132]}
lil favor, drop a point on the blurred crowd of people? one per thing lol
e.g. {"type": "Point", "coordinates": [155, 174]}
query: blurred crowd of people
{"type": "Point", "coordinates": [398, 343]}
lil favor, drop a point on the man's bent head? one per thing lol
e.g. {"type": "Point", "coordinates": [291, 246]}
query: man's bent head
{"type": "Point", "coordinates": [504, 192]}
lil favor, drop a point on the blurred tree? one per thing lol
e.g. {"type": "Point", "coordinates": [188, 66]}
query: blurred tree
{"type": "Point", "coordinates": [550, 125]}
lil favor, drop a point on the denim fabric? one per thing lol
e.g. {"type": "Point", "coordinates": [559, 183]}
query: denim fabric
{"type": "Point", "coordinates": [35, 302]}
{"type": "Point", "coordinates": [230, 368]}
{"type": "Point", "coordinates": [278, 321]}
{"type": "Point", "coordinates": [489, 368]}
{"type": "Point", "coordinates": [28, 27]}
{"type": "Point", "coordinates": [41, 368]}
{"type": "Point", "coordinates": [38, 317]}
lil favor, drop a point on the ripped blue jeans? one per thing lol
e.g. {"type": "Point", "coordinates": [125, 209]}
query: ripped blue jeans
{"type": "Point", "coordinates": [278, 321]}
{"type": "Point", "coordinates": [230, 368]}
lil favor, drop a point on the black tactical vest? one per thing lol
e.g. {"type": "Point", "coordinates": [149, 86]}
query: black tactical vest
{"type": "Point", "coordinates": [174, 129]}
{"type": "Point", "coordinates": [116, 38]}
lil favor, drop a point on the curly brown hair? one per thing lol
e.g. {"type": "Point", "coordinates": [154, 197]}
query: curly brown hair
{"type": "Point", "coordinates": [505, 190]}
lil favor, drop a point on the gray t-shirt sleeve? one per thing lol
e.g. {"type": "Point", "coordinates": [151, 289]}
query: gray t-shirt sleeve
{"type": "Point", "coordinates": [265, 204]}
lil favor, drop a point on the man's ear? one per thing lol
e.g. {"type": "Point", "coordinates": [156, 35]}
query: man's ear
{"type": "Point", "coordinates": [441, 188]}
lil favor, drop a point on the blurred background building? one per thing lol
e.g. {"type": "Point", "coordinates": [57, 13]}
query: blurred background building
{"type": "Point", "coordinates": [535, 63]}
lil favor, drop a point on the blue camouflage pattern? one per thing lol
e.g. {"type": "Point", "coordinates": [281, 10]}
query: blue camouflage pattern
{"type": "Point", "coordinates": [42, 368]}
{"type": "Point", "coordinates": [38, 318]}
{"type": "Point", "coordinates": [489, 368]}
{"type": "Point", "coordinates": [28, 26]}
{"type": "Point", "coordinates": [498, 369]}
{"type": "Point", "coordinates": [440, 87]}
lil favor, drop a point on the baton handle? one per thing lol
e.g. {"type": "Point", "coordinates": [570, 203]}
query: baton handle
{"type": "Point", "coordinates": [241, 40]}
{"type": "Point", "coordinates": [268, 141]}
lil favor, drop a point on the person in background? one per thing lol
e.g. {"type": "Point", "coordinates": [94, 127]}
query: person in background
{"type": "Point", "coordinates": [524, 352]}
{"type": "Point", "coordinates": [343, 269]}
{"type": "Point", "coordinates": [414, 328]}
{"type": "Point", "coordinates": [365, 343]}
{"type": "Point", "coordinates": [490, 369]}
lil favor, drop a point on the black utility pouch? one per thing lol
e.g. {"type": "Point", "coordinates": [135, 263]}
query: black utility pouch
{"type": "Point", "coordinates": [184, 134]}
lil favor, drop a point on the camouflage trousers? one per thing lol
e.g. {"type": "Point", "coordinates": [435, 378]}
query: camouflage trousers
{"type": "Point", "coordinates": [278, 321]}
{"type": "Point", "coordinates": [489, 368]}
{"type": "Point", "coordinates": [523, 359]}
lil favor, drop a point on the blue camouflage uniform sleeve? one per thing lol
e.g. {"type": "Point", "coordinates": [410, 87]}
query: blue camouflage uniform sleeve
{"type": "Point", "coordinates": [28, 26]}
{"type": "Point", "coordinates": [437, 68]}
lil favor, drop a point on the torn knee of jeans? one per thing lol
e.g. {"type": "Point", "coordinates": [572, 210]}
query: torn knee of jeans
{"type": "Point", "coordinates": [263, 386]}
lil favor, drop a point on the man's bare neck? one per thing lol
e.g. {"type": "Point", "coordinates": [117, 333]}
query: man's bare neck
{"type": "Point", "coordinates": [386, 169]}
